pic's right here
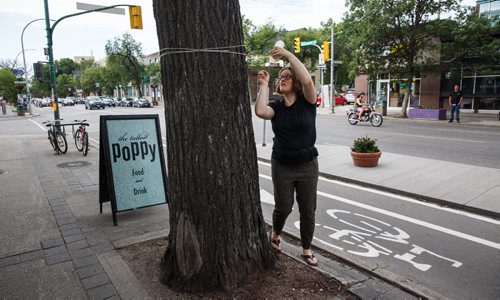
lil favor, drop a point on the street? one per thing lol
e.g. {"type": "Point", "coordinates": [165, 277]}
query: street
{"type": "Point", "coordinates": [444, 251]}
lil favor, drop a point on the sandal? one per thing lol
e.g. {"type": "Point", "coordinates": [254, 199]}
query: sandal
{"type": "Point", "coordinates": [275, 245]}
{"type": "Point", "coordinates": [310, 259]}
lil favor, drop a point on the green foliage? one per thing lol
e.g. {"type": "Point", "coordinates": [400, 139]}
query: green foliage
{"type": "Point", "coordinates": [471, 40]}
{"type": "Point", "coordinates": [122, 57]}
{"type": "Point", "coordinates": [65, 85]}
{"type": "Point", "coordinates": [365, 145]}
{"type": "Point", "coordinates": [7, 87]}
{"type": "Point", "coordinates": [89, 80]}
{"type": "Point", "coordinates": [65, 66]}
{"type": "Point", "coordinates": [394, 36]}
{"type": "Point", "coordinates": [153, 71]}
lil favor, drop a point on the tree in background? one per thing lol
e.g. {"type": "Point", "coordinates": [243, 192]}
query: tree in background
{"type": "Point", "coordinates": [470, 41]}
{"type": "Point", "coordinates": [122, 54]}
{"type": "Point", "coordinates": [153, 71]}
{"type": "Point", "coordinates": [65, 66]}
{"type": "Point", "coordinates": [65, 85]}
{"type": "Point", "coordinates": [217, 231]}
{"type": "Point", "coordinates": [91, 80]}
{"type": "Point", "coordinates": [394, 37]}
{"type": "Point", "coordinates": [7, 87]}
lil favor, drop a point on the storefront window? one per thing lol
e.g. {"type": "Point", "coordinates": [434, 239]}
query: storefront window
{"type": "Point", "coordinates": [488, 85]}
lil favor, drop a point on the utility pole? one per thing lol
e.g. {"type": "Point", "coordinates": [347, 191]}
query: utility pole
{"type": "Point", "coordinates": [135, 23]}
{"type": "Point", "coordinates": [28, 96]}
{"type": "Point", "coordinates": [332, 65]}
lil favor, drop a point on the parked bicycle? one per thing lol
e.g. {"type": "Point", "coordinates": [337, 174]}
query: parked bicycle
{"type": "Point", "coordinates": [81, 137]}
{"type": "Point", "coordinates": [57, 138]}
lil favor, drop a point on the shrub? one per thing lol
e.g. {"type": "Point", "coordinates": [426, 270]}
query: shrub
{"type": "Point", "coordinates": [365, 145]}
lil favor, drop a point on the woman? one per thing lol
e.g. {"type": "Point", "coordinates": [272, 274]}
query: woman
{"type": "Point", "coordinates": [294, 161]}
{"type": "Point", "coordinates": [360, 105]}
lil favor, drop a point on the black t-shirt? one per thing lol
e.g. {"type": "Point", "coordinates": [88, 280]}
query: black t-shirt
{"type": "Point", "coordinates": [294, 130]}
{"type": "Point", "coordinates": [455, 97]}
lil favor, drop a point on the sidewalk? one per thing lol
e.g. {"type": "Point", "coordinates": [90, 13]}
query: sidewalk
{"type": "Point", "coordinates": [56, 244]}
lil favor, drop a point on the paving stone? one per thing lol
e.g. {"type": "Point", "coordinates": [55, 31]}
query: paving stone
{"type": "Point", "coordinates": [72, 231]}
{"type": "Point", "coordinates": [97, 240]}
{"type": "Point", "coordinates": [56, 250]}
{"type": "Point", "coordinates": [85, 261]}
{"type": "Point", "coordinates": [74, 238]}
{"type": "Point", "coordinates": [81, 253]}
{"type": "Point", "coordinates": [9, 261]}
{"type": "Point", "coordinates": [68, 226]}
{"type": "Point", "coordinates": [89, 271]}
{"type": "Point", "coordinates": [77, 245]}
{"type": "Point", "coordinates": [102, 292]}
{"type": "Point", "coordinates": [46, 244]}
{"type": "Point", "coordinates": [28, 256]}
{"type": "Point", "coordinates": [101, 248]}
{"type": "Point", "coordinates": [94, 281]}
{"type": "Point", "coordinates": [58, 258]}
{"type": "Point", "coordinates": [65, 221]}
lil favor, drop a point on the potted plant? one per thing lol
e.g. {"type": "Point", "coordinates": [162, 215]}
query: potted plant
{"type": "Point", "coordinates": [365, 152]}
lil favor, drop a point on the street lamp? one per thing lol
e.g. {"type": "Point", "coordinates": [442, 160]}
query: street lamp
{"type": "Point", "coordinates": [24, 62]}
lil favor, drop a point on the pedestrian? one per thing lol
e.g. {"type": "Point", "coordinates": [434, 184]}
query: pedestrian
{"type": "Point", "coordinates": [3, 103]}
{"type": "Point", "coordinates": [455, 100]}
{"type": "Point", "coordinates": [294, 163]}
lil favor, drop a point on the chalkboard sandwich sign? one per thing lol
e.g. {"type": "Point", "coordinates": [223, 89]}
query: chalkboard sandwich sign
{"type": "Point", "coordinates": [131, 163]}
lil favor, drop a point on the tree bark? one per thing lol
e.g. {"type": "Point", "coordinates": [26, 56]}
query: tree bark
{"type": "Point", "coordinates": [217, 231]}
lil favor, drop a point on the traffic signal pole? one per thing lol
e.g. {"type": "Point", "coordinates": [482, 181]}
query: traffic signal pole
{"type": "Point", "coordinates": [136, 23]}
{"type": "Point", "coordinates": [332, 93]}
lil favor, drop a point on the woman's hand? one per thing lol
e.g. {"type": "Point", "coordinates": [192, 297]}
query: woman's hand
{"type": "Point", "coordinates": [277, 52]}
{"type": "Point", "coordinates": [263, 78]}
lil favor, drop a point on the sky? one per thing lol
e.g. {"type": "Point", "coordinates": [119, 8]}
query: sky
{"type": "Point", "coordinates": [87, 35]}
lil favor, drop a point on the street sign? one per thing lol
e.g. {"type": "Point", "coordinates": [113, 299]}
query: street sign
{"type": "Point", "coordinates": [86, 6]}
{"type": "Point", "coordinates": [17, 72]}
{"type": "Point", "coordinates": [19, 82]}
{"type": "Point", "coordinates": [308, 43]}
{"type": "Point", "coordinates": [337, 62]}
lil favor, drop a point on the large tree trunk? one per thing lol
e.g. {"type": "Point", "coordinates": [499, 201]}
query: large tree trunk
{"type": "Point", "coordinates": [217, 231]}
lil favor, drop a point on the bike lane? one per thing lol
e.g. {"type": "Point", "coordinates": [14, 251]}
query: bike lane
{"type": "Point", "coordinates": [454, 254]}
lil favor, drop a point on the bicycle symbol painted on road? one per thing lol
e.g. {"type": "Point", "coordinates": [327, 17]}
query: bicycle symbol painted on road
{"type": "Point", "coordinates": [364, 236]}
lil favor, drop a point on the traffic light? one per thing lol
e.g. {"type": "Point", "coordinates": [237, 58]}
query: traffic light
{"type": "Point", "coordinates": [297, 44]}
{"type": "Point", "coordinates": [135, 17]}
{"type": "Point", "coordinates": [326, 51]}
{"type": "Point", "coordinates": [38, 68]}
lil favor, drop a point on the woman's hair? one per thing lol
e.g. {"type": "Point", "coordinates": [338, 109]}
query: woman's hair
{"type": "Point", "coordinates": [297, 85]}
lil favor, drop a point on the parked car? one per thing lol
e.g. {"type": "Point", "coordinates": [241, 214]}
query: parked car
{"type": "Point", "coordinates": [340, 100]}
{"type": "Point", "coordinates": [141, 102]}
{"type": "Point", "coordinates": [350, 95]}
{"type": "Point", "coordinates": [44, 102]}
{"type": "Point", "coordinates": [68, 101]}
{"type": "Point", "coordinates": [127, 102]}
{"type": "Point", "coordinates": [108, 102]}
{"type": "Point", "coordinates": [93, 102]}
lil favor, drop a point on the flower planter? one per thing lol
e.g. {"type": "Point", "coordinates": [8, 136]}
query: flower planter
{"type": "Point", "coordinates": [424, 113]}
{"type": "Point", "coordinates": [365, 159]}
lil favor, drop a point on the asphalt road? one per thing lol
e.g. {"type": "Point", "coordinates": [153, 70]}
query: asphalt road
{"type": "Point", "coordinates": [460, 143]}
{"type": "Point", "coordinates": [453, 253]}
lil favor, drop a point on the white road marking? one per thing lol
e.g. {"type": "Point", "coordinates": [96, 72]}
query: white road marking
{"type": "Point", "coordinates": [411, 220]}
{"type": "Point", "coordinates": [36, 123]}
{"type": "Point", "coordinates": [402, 198]}
{"type": "Point", "coordinates": [266, 197]}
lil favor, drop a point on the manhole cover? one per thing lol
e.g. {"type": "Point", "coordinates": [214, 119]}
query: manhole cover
{"type": "Point", "coordinates": [73, 164]}
{"type": "Point", "coordinates": [3, 172]}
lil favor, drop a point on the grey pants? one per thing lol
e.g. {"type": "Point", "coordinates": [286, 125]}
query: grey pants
{"type": "Point", "coordinates": [303, 181]}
